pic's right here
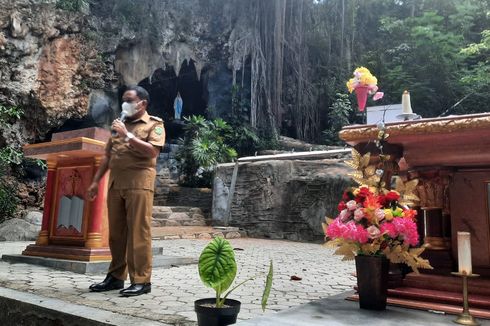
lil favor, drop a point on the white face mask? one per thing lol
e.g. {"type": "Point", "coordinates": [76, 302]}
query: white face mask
{"type": "Point", "coordinates": [130, 108]}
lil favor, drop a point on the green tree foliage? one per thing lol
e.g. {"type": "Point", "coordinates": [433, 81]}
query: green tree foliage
{"type": "Point", "coordinates": [475, 81]}
{"type": "Point", "coordinates": [438, 50]}
{"type": "Point", "coordinates": [338, 116]}
{"type": "Point", "coordinates": [8, 156]}
{"type": "Point", "coordinates": [242, 136]}
{"type": "Point", "coordinates": [203, 147]}
{"type": "Point", "coordinates": [8, 200]}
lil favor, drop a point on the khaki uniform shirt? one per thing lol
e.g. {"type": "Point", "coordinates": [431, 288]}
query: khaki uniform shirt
{"type": "Point", "coordinates": [129, 168]}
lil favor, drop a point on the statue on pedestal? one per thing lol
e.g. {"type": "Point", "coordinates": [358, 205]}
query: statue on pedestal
{"type": "Point", "coordinates": [178, 104]}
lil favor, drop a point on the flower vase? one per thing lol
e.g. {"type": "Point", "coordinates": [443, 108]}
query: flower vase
{"type": "Point", "coordinates": [395, 276]}
{"type": "Point", "coordinates": [372, 281]}
{"type": "Point", "coordinates": [361, 94]}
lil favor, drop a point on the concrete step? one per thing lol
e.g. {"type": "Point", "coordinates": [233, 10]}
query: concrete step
{"type": "Point", "coordinates": [96, 267]}
{"type": "Point", "coordinates": [194, 232]}
{"type": "Point", "coordinates": [23, 308]}
{"type": "Point", "coordinates": [166, 216]}
{"type": "Point", "coordinates": [177, 209]}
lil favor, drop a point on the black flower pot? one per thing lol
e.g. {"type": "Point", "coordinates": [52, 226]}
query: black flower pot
{"type": "Point", "coordinates": [372, 281]}
{"type": "Point", "coordinates": [208, 315]}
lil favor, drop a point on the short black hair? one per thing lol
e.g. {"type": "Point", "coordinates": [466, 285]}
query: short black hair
{"type": "Point", "coordinates": [140, 92]}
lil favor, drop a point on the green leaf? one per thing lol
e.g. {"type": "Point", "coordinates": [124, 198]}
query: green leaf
{"type": "Point", "coordinates": [268, 286]}
{"type": "Point", "coordinates": [217, 265]}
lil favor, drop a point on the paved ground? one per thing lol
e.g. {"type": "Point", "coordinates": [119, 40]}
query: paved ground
{"type": "Point", "coordinates": [174, 290]}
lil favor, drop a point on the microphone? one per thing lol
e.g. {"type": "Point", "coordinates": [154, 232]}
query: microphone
{"type": "Point", "coordinates": [122, 117]}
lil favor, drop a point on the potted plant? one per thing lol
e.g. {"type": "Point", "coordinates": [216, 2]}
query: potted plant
{"type": "Point", "coordinates": [217, 269]}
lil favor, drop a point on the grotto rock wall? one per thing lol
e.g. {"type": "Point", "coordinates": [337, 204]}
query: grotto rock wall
{"type": "Point", "coordinates": [65, 69]}
{"type": "Point", "coordinates": [281, 199]}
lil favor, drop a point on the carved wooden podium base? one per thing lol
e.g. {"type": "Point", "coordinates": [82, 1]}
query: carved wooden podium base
{"type": "Point", "coordinates": [68, 252]}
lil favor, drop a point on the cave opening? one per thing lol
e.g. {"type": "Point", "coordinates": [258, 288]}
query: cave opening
{"type": "Point", "coordinates": [163, 86]}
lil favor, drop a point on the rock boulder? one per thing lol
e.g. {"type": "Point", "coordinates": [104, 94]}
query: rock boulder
{"type": "Point", "coordinates": [18, 230]}
{"type": "Point", "coordinates": [281, 199]}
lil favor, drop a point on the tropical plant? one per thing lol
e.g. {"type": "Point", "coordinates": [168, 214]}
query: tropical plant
{"type": "Point", "coordinates": [218, 268]}
{"type": "Point", "coordinates": [202, 148]}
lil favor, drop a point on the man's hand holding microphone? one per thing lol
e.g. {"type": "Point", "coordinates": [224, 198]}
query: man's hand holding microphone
{"type": "Point", "coordinates": [118, 127]}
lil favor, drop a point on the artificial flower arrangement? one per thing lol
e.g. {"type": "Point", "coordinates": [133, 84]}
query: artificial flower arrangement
{"type": "Point", "coordinates": [373, 220]}
{"type": "Point", "coordinates": [364, 84]}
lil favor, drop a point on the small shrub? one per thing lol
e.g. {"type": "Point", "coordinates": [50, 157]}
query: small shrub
{"type": "Point", "coordinates": [9, 113]}
{"type": "Point", "coordinates": [10, 155]}
{"type": "Point", "coordinates": [338, 116]}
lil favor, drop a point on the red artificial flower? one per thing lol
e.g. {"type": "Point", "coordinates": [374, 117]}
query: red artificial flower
{"type": "Point", "coordinates": [382, 200]}
{"type": "Point", "coordinates": [370, 205]}
{"type": "Point", "coordinates": [345, 196]}
{"type": "Point", "coordinates": [364, 192]}
{"type": "Point", "coordinates": [341, 206]}
{"type": "Point", "coordinates": [410, 214]}
{"type": "Point", "coordinates": [392, 196]}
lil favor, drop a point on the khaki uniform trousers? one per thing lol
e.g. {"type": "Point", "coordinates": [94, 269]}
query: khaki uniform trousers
{"type": "Point", "coordinates": [130, 212]}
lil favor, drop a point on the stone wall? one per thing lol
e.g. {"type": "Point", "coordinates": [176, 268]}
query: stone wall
{"type": "Point", "coordinates": [281, 199]}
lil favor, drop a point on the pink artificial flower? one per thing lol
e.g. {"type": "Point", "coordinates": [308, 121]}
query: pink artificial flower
{"type": "Point", "coordinates": [379, 213]}
{"type": "Point", "coordinates": [358, 214]}
{"type": "Point", "coordinates": [362, 235]}
{"type": "Point", "coordinates": [373, 232]}
{"type": "Point", "coordinates": [373, 89]}
{"type": "Point", "coordinates": [347, 231]}
{"type": "Point", "coordinates": [334, 229]}
{"type": "Point", "coordinates": [403, 228]}
{"type": "Point", "coordinates": [390, 229]}
{"type": "Point", "coordinates": [344, 215]}
{"type": "Point", "coordinates": [407, 229]}
{"type": "Point", "coordinates": [351, 205]}
{"type": "Point", "coordinates": [378, 96]}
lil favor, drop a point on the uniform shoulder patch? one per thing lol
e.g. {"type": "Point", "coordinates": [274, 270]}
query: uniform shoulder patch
{"type": "Point", "coordinates": [155, 118]}
{"type": "Point", "coordinates": [158, 130]}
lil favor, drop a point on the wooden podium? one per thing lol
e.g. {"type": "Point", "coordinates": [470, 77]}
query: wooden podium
{"type": "Point", "coordinates": [72, 227]}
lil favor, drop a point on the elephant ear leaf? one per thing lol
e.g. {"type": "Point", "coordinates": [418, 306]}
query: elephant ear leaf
{"type": "Point", "coordinates": [217, 265]}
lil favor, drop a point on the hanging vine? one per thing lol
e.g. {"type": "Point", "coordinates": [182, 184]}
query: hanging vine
{"type": "Point", "coordinates": [278, 57]}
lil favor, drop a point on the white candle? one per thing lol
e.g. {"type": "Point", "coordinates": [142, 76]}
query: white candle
{"type": "Point", "coordinates": [464, 253]}
{"type": "Point", "coordinates": [406, 106]}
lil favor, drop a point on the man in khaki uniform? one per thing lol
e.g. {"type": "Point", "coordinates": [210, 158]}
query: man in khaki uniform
{"type": "Point", "coordinates": [131, 157]}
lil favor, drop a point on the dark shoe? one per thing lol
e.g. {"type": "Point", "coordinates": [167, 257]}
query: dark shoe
{"type": "Point", "coordinates": [110, 283]}
{"type": "Point", "coordinates": [136, 289]}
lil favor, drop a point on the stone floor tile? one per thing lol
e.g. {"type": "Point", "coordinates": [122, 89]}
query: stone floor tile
{"type": "Point", "coordinates": [175, 289]}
